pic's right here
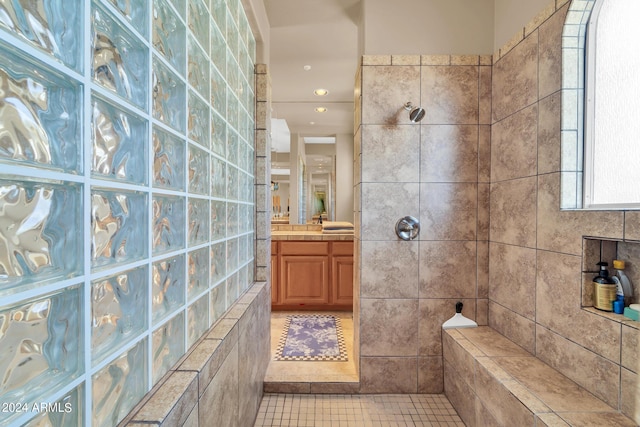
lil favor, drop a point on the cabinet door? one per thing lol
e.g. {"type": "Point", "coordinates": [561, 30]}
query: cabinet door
{"type": "Point", "coordinates": [342, 280]}
{"type": "Point", "coordinates": [274, 279]}
{"type": "Point", "coordinates": [304, 279]}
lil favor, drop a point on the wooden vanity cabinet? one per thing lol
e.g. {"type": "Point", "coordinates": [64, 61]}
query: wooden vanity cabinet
{"type": "Point", "coordinates": [313, 275]}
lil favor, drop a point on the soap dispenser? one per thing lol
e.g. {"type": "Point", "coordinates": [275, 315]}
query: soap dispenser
{"type": "Point", "coordinates": [604, 289]}
{"type": "Point", "coordinates": [622, 282]}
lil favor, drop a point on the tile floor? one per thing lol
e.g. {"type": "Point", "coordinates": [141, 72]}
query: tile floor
{"type": "Point", "coordinates": [333, 410]}
{"type": "Point", "coordinates": [341, 410]}
{"type": "Point", "coordinates": [311, 371]}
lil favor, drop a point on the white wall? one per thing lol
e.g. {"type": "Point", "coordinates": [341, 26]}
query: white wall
{"type": "Point", "coordinates": [510, 16]}
{"type": "Point", "coordinates": [428, 27]}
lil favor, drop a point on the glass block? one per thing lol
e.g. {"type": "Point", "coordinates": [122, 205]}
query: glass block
{"type": "Point", "coordinates": [218, 219]}
{"type": "Point", "coordinates": [218, 261]}
{"type": "Point", "coordinates": [232, 111]}
{"type": "Point", "coordinates": [198, 69]}
{"type": "Point", "coordinates": [218, 177]}
{"type": "Point", "coordinates": [232, 147]}
{"type": "Point", "coordinates": [232, 182]}
{"type": "Point", "coordinates": [219, 13]}
{"type": "Point", "coordinates": [244, 187]}
{"type": "Point", "coordinates": [233, 289]}
{"type": "Point", "coordinates": [54, 27]}
{"type": "Point", "coordinates": [218, 135]}
{"type": "Point", "coordinates": [198, 120]}
{"type": "Point", "coordinates": [168, 346]}
{"type": "Point", "coordinates": [218, 52]}
{"type": "Point", "coordinates": [168, 286]}
{"type": "Point", "coordinates": [180, 5]}
{"type": "Point", "coordinates": [218, 304]}
{"type": "Point", "coordinates": [66, 412]}
{"type": "Point", "coordinates": [199, 22]}
{"type": "Point", "coordinates": [198, 221]}
{"type": "Point", "coordinates": [119, 142]}
{"type": "Point", "coordinates": [168, 160]}
{"type": "Point", "coordinates": [120, 59]}
{"type": "Point", "coordinates": [218, 92]}
{"type": "Point", "coordinates": [42, 347]}
{"type": "Point", "coordinates": [169, 35]}
{"type": "Point", "coordinates": [119, 386]}
{"type": "Point", "coordinates": [169, 97]}
{"type": "Point", "coordinates": [233, 248]}
{"type": "Point", "coordinates": [118, 311]}
{"type": "Point", "coordinates": [198, 272]}
{"type": "Point", "coordinates": [232, 36]}
{"type": "Point", "coordinates": [198, 170]}
{"type": "Point", "coordinates": [118, 226]}
{"type": "Point", "coordinates": [40, 230]}
{"type": "Point", "coordinates": [234, 9]}
{"type": "Point", "coordinates": [233, 75]}
{"type": "Point", "coordinates": [168, 223]}
{"type": "Point", "coordinates": [41, 116]}
{"type": "Point", "coordinates": [232, 219]}
{"type": "Point", "coordinates": [197, 319]}
{"type": "Point", "coordinates": [243, 27]}
{"type": "Point", "coordinates": [133, 11]}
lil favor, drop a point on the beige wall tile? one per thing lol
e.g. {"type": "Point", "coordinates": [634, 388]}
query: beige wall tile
{"type": "Point", "coordinates": [630, 395]}
{"type": "Point", "coordinates": [449, 153]}
{"type": "Point", "coordinates": [436, 60]}
{"type": "Point", "coordinates": [513, 212]}
{"type": "Point", "coordinates": [483, 416]}
{"type": "Point", "coordinates": [483, 224]}
{"type": "Point", "coordinates": [550, 420]}
{"type": "Point", "coordinates": [448, 211]}
{"type": "Point", "coordinates": [483, 269]}
{"type": "Point", "coordinates": [632, 225]}
{"type": "Point", "coordinates": [461, 396]}
{"type": "Point", "coordinates": [550, 62]}
{"type": "Point", "coordinates": [562, 231]}
{"type": "Point", "coordinates": [513, 326]}
{"type": "Point", "coordinates": [482, 312]}
{"type": "Point", "coordinates": [630, 348]}
{"type": "Point", "coordinates": [388, 375]}
{"type": "Point", "coordinates": [433, 313]}
{"type": "Point", "coordinates": [172, 403]}
{"type": "Point", "coordinates": [515, 79]}
{"type": "Point", "coordinates": [447, 94]}
{"type": "Point", "coordinates": [595, 373]}
{"type": "Point", "coordinates": [405, 59]}
{"type": "Point", "coordinates": [484, 107]}
{"type": "Point", "coordinates": [456, 353]}
{"type": "Point", "coordinates": [492, 344]}
{"type": "Point", "coordinates": [447, 269]}
{"type": "Point", "coordinates": [549, 134]}
{"type": "Point", "coordinates": [484, 153]}
{"type": "Point", "coordinates": [514, 145]}
{"type": "Point", "coordinates": [376, 60]}
{"type": "Point", "coordinates": [389, 327]}
{"type": "Point", "coordinates": [390, 273]}
{"type": "Point", "coordinates": [383, 205]}
{"type": "Point", "coordinates": [382, 102]}
{"type": "Point", "coordinates": [389, 153]}
{"type": "Point", "coordinates": [222, 394]}
{"type": "Point", "coordinates": [506, 408]}
{"type": "Point", "coordinates": [512, 278]}
{"type": "Point", "coordinates": [430, 375]}
{"type": "Point", "coordinates": [557, 306]}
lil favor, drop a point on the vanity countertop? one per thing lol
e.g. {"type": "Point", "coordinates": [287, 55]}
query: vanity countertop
{"type": "Point", "coordinates": [308, 232]}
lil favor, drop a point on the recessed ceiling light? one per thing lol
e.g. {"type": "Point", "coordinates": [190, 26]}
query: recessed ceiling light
{"type": "Point", "coordinates": [321, 92]}
{"type": "Point", "coordinates": [312, 123]}
{"type": "Point", "coordinates": [306, 67]}
{"type": "Point", "coordinates": [321, 109]}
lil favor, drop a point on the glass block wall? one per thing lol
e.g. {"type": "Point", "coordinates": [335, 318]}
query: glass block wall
{"type": "Point", "coordinates": [126, 196]}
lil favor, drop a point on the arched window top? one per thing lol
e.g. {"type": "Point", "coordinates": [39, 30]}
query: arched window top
{"type": "Point", "coordinates": [601, 103]}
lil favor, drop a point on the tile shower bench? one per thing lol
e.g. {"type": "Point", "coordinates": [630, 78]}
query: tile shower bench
{"type": "Point", "coordinates": [491, 381]}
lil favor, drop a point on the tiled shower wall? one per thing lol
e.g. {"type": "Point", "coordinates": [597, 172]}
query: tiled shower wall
{"type": "Point", "coordinates": [537, 252]}
{"type": "Point", "coordinates": [126, 196]}
{"type": "Point", "coordinates": [438, 171]}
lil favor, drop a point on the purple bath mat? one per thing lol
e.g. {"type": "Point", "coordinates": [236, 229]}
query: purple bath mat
{"type": "Point", "coordinates": [312, 337]}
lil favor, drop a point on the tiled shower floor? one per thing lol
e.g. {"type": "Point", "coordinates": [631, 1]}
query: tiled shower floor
{"type": "Point", "coordinates": [335, 410]}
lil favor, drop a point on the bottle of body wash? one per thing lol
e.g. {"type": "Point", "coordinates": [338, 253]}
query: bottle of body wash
{"type": "Point", "coordinates": [622, 281]}
{"type": "Point", "coordinates": [604, 290]}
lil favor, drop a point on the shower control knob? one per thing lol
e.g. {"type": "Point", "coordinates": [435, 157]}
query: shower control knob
{"type": "Point", "coordinates": [407, 228]}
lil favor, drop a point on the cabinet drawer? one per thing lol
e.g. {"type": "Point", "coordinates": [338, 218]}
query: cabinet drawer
{"type": "Point", "coordinates": [304, 248]}
{"type": "Point", "coordinates": [343, 248]}
{"type": "Point", "coordinates": [274, 248]}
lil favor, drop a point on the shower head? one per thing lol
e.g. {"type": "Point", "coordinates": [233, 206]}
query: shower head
{"type": "Point", "coordinates": [415, 113]}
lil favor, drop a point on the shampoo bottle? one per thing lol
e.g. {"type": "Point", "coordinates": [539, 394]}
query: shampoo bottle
{"type": "Point", "coordinates": [604, 289]}
{"type": "Point", "coordinates": [622, 282]}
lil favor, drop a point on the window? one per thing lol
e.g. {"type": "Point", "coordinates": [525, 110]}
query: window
{"type": "Point", "coordinates": [601, 103]}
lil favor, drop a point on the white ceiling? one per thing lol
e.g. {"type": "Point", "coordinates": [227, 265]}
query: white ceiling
{"type": "Point", "coordinates": [324, 35]}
